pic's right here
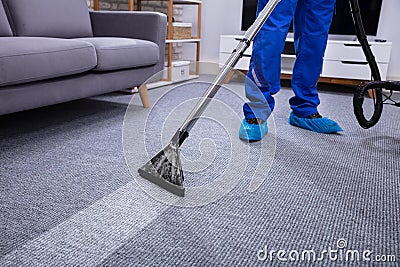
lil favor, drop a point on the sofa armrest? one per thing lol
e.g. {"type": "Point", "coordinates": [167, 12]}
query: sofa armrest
{"type": "Point", "coordinates": [151, 26]}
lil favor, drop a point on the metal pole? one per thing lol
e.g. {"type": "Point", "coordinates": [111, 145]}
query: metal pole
{"type": "Point", "coordinates": [248, 37]}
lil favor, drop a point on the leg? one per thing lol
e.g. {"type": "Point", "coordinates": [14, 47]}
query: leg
{"type": "Point", "coordinates": [144, 96]}
{"type": "Point", "coordinates": [263, 78]}
{"type": "Point", "coordinates": [311, 26]}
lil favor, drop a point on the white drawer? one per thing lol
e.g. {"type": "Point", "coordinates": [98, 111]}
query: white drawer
{"type": "Point", "coordinates": [243, 63]}
{"type": "Point", "coordinates": [352, 51]}
{"type": "Point", "coordinates": [359, 71]}
{"type": "Point", "coordinates": [229, 43]}
{"type": "Point", "coordinates": [287, 63]}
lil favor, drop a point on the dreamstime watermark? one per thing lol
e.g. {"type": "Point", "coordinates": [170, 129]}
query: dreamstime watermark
{"type": "Point", "coordinates": [341, 252]}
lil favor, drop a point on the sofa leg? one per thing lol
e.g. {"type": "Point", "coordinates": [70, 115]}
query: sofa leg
{"type": "Point", "coordinates": [144, 96]}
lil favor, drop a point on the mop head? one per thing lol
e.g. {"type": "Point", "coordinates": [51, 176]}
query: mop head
{"type": "Point", "coordinates": [252, 131]}
{"type": "Point", "coordinates": [165, 170]}
{"type": "Point", "coordinates": [319, 125]}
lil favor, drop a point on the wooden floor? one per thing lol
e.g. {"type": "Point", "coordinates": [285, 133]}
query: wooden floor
{"type": "Point", "coordinates": [321, 79]}
{"type": "Point", "coordinates": [329, 80]}
{"type": "Point", "coordinates": [338, 81]}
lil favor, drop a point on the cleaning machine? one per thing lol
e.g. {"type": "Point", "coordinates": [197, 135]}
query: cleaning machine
{"type": "Point", "coordinates": [376, 86]}
{"type": "Point", "coordinates": [165, 169]}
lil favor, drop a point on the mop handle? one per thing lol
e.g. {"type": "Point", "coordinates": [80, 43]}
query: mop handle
{"type": "Point", "coordinates": [249, 36]}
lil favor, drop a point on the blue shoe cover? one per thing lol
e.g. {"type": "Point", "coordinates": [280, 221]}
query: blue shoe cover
{"type": "Point", "coordinates": [319, 125]}
{"type": "Point", "coordinates": [252, 132]}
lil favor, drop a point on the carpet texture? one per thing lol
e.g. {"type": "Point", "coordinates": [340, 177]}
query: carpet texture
{"type": "Point", "coordinates": [67, 197]}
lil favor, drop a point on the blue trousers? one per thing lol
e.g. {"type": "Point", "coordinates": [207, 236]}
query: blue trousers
{"type": "Point", "coordinates": [311, 20]}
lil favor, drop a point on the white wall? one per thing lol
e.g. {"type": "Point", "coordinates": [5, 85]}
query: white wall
{"type": "Point", "coordinates": [218, 17]}
{"type": "Point", "coordinates": [388, 29]}
{"type": "Point", "coordinates": [224, 17]}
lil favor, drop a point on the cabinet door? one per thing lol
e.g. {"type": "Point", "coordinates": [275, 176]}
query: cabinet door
{"type": "Point", "coordinates": [352, 51]}
{"type": "Point", "coordinates": [243, 63]}
{"type": "Point", "coordinates": [350, 70]}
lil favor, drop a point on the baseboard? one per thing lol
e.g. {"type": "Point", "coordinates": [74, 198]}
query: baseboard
{"type": "Point", "coordinates": [393, 78]}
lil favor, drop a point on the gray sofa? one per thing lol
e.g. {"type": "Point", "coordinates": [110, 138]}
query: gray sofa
{"type": "Point", "coordinates": [53, 51]}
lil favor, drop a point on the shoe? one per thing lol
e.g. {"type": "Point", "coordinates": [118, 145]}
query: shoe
{"type": "Point", "coordinates": [315, 123]}
{"type": "Point", "coordinates": [253, 130]}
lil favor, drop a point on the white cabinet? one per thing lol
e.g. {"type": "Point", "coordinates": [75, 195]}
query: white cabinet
{"type": "Point", "coordinates": [227, 44]}
{"type": "Point", "coordinates": [343, 59]}
{"type": "Point", "coordinates": [346, 60]}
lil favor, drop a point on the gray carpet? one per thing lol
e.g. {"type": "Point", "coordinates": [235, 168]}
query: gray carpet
{"type": "Point", "coordinates": [67, 197]}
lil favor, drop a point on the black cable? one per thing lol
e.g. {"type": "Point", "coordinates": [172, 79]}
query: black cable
{"type": "Point", "coordinates": [389, 85]}
{"type": "Point", "coordinates": [360, 92]}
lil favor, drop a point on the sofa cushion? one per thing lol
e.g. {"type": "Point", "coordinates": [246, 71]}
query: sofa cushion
{"type": "Point", "coordinates": [49, 18]}
{"type": "Point", "coordinates": [122, 53]}
{"type": "Point", "coordinates": [5, 29]}
{"type": "Point", "coordinates": [27, 59]}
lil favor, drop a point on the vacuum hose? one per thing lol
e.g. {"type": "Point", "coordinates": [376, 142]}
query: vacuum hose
{"type": "Point", "coordinates": [360, 92]}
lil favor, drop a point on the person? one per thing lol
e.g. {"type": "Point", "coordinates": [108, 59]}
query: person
{"type": "Point", "coordinates": [311, 23]}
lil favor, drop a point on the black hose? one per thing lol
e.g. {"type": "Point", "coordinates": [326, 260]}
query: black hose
{"type": "Point", "coordinates": [360, 92]}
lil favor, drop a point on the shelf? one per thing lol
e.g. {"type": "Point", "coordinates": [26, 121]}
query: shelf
{"type": "Point", "coordinates": [181, 2]}
{"type": "Point", "coordinates": [169, 42]}
{"type": "Point", "coordinates": [187, 2]}
{"type": "Point", "coordinates": [193, 40]}
{"type": "Point", "coordinates": [131, 3]}
{"type": "Point", "coordinates": [288, 56]}
{"type": "Point", "coordinates": [287, 72]}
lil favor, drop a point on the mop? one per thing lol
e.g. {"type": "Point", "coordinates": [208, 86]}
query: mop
{"type": "Point", "coordinates": [165, 169]}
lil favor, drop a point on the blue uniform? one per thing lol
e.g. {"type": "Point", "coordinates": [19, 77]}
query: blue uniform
{"type": "Point", "coordinates": [312, 20]}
